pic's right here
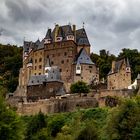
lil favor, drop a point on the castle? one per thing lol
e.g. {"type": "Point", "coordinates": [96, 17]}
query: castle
{"type": "Point", "coordinates": [119, 76]}
{"type": "Point", "coordinates": [61, 58]}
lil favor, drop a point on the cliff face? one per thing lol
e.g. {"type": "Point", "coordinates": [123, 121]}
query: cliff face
{"type": "Point", "coordinates": [56, 105]}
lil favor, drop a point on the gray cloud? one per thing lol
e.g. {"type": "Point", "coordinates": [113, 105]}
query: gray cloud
{"type": "Point", "coordinates": [110, 25]}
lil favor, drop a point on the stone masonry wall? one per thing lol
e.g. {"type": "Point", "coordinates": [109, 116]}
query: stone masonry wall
{"type": "Point", "coordinates": [56, 105]}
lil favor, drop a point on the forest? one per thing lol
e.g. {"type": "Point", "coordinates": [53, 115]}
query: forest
{"type": "Point", "coordinates": [118, 123]}
{"type": "Point", "coordinates": [121, 122]}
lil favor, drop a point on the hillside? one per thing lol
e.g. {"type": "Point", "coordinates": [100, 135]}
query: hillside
{"type": "Point", "coordinates": [10, 63]}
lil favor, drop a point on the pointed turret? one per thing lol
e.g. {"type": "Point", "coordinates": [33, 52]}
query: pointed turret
{"type": "Point", "coordinates": [70, 35]}
{"type": "Point", "coordinates": [59, 36]}
{"type": "Point", "coordinates": [48, 37]}
{"type": "Point", "coordinates": [127, 62]}
{"type": "Point", "coordinates": [138, 76]}
{"type": "Point", "coordinates": [47, 66]}
{"type": "Point", "coordinates": [128, 69]}
{"type": "Point", "coordinates": [30, 63]}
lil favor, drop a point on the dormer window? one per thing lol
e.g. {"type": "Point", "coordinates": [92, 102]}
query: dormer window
{"type": "Point", "coordinates": [59, 39]}
{"type": "Point", "coordinates": [47, 41]}
{"type": "Point", "coordinates": [70, 37]}
{"type": "Point", "coordinates": [128, 69]}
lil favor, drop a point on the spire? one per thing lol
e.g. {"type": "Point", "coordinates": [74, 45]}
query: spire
{"type": "Point", "coordinates": [127, 62]}
{"type": "Point", "coordinates": [48, 34]}
{"type": "Point", "coordinates": [69, 31]}
{"type": "Point", "coordinates": [38, 41]}
{"type": "Point", "coordinates": [138, 77]}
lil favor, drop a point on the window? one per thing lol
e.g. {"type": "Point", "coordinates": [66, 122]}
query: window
{"type": "Point", "coordinates": [35, 60]}
{"type": "Point", "coordinates": [40, 59]}
{"type": "Point", "coordinates": [35, 74]}
{"type": "Point", "coordinates": [47, 56]}
{"type": "Point", "coordinates": [39, 73]}
{"type": "Point", "coordinates": [90, 66]}
{"type": "Point", "coordinates": [60, 70]}
{"type": "Point", "coordinates": [52, 63]}
{"type": "Point", "coordinates": [35, 67]}
{"type": "Point", "coordinates": [65, 54]}
{"type": "Point", "coordinates": [78, 68]}
{"type": "Point", "coordinates": [67, 60]}
{"type": "Point", "coordinates": [62, 62]}
{"type": "Point", "coordinates": [40, 66]}
{"type": "Point", "coordinates": [58, 38]}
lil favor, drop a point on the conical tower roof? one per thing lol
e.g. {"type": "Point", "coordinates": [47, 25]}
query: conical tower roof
{"type": "Point", "coordinates": [48, 34]}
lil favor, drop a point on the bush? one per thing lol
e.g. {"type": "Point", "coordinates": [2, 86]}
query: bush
{"type": "Point", "coordinates": [123, 119]}
{"type": "Point", "coordinates": [79, 87]}
{"type": "Point", "coordinates": [90, 132]}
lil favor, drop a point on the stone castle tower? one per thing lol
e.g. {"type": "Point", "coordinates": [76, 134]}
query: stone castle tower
{"type": "Point", "coordinates": [64, 47]}
{"type": "Point", "coordinates": [120, 75]}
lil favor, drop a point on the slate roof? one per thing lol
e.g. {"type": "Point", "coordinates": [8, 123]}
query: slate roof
{"type": "Point", "coordinates": [48, 34]}
{"type": "Point", "coordinates": [81, 37]}
{"type": "Point", "coordinates": [63, 31]}
{"type": "Point", "coordinates": [33, 45]}
{"type": "Point", "coordinates": [118, 65]}
{"type": "Point", "coordinates": [53, 75]}
{"type": "Point", "coordinates": [83, 58]}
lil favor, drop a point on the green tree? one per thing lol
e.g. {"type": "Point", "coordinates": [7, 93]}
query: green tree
{"type": "Point", "coordinates": [55, 124]}
{"type": "Point", "coordinates": [11, 127]}
{"type": "Point", "coordinates": [90, 132]}
{"type": "Point", "coordinates": [103, 61]}
{"type": "Point", "coordinates": [35, 125]}
{"type": "Point", "coordinates": [10, 63]}
{"type": "Point", "coordinates": [136, 132]}
{"type": "Point", "coordinates": [79, 87]}
{"type": "Point", "coordinates": [123, 119]}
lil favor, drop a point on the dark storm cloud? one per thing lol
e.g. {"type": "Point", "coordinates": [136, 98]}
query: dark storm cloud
{"type": "Point", "coordinates": [20, 11]}
{"type": "Point", "coordinates": [110, 24]}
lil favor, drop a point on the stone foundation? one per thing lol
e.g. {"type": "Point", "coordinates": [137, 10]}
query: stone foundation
{"type": "Point", "coordinates": [56, 105]}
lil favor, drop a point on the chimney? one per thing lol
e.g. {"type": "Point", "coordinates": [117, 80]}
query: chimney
{"type": "Point", "coordinates": [113, 66]}
{"type": "Point", "coordinates": [74, 31]}
{"type": "Point", "coordinates": [56, 32]}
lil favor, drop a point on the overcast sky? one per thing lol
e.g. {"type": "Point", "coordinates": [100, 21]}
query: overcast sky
{"type": "Point", "coordinates": [110, 24]}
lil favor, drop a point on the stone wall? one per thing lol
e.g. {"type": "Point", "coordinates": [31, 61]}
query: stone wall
{"type": "Point", "coordinates": [101, 96]}
{"type": "Point", "coordinates": [88, 73]}
{"type": "Point", "coordinates": [43, 91]}
{"type": "Point", "coordinates": [56, 105]}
